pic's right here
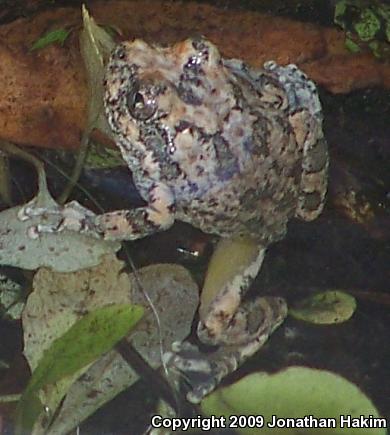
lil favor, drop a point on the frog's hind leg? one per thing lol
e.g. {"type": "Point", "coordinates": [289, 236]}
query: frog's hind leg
{"type": "Point", "coordinates": [240, 329]}
{"type": "Point", "coordinates": [232, 268]}
{"type": "Point", "coordinates": [224, 318]}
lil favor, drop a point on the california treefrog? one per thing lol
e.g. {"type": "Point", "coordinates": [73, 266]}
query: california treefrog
{"type": "Point", "coordinates": [232, 150]}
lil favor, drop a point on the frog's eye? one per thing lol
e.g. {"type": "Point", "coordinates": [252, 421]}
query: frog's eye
{"type": "Point", "coordinates": [141, 101]}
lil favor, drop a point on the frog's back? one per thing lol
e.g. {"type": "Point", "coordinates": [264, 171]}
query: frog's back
{"type": "Point", "coordinates": [304, 115]}
{"type": "Point", "coordinates": [272, 162]}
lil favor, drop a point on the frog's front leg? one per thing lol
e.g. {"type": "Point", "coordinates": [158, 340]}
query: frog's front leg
{"type": "Point", "coordinates": [239, 329]}
{"type": "Point", "coordinates": [118, 225]}
{"type": "Point", "coordinates": [158, 215]}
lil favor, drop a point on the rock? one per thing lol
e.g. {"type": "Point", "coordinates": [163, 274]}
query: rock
{"type": "Point", "coordinates": [43, 93]}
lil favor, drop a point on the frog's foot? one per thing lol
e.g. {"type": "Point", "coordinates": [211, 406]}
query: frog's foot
{"type": "Point", "coordinates": [250, 329]}
{"type": "Point", "coordinates": [55, 218]}
{"type": "Point", "coordinates": [253, 322]}
{"type": "Point", "coordinates": [36, 208]}
{"type": "Point", "coordinates": [201, 372]}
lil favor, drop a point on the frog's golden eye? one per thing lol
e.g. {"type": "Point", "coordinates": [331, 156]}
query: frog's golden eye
{"type": "Point", "coordinates": [141, 102]}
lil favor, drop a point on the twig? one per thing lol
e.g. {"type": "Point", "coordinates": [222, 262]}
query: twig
{"type": "Point", "coordinates": [137, 362]}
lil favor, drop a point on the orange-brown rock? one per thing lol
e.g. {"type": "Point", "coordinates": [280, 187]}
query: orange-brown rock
{"type": "Point", "coordinates": [43, 94]}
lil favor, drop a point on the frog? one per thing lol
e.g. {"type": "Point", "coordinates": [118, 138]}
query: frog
{"type": "Point", "coordinates": [233, 150]}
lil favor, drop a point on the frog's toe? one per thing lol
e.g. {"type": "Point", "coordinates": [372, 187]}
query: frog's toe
{"type": "Point", "coordinates": [55, 218]}
{"type": "Point", "coordinates": [200, 372]}
{"type": "Point", "coordinates": [45, 219]}
{"type": "Point", "coordinates": [32, 210]}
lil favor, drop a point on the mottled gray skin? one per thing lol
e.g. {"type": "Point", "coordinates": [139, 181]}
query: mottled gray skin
{"type": "Point", "coordinates": [233, 151]}
{"type": "Point", "coordinates": [212, 142]}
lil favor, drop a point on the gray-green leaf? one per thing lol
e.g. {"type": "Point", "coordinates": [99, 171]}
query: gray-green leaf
{"type": "Point", "coordinates": [325, 308]}
{"type": "Point", "coordinates": [293, 393]}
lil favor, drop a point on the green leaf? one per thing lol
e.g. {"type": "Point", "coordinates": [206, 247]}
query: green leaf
{"type": "Point", "coordinates": [59, 35]}
{"type": "Point", "coordinates": [90, 337]}
{"type": "Point", "coordinates": [384, 11]}
{"type": "Point", "coordinates": [325, 308]}
{"type": "Point", "coordinates": [368, 25]}
{"type": "Point", "coordinates": [339, 12]}
{"type": "Point", "coordinates": [103, 157]}
{"type": "Point", "coordinates": [351, 45]}
{"type": "Point", "coordinates": [375, 47]}
{"type": "Point", "coordinates": [387, 31]}
{"type": "Point", "coordinates": [293, 393]}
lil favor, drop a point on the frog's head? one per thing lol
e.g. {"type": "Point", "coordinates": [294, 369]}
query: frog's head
{"type": "Point", "coordinates": [150, 89]}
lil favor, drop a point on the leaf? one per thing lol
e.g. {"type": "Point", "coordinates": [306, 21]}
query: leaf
{"type": "Point", "coordinates": [375, 47]}
{"type": "Point", "coordinates": [325, 308]}
{"type": "Point", "coordinates": [175, 297]}
{"type": "Point", "coordinates": [103, 157]}
{"type": "Point", "coordinates": [387, 31]}
{"type": "Point", "coordinates": [293, 393]}
{"type": "Point", "coordinates": [368, 26]}
{"type": "Point", "coordinates": [351, 45]}
{"type": "Point", "coordinates": [93, 335]}
{"type": "Point", "coordinates": [339, 13]}
{"type": "Point", "coordinates": [96, 45]}
{"type": "Point", "coordinates": [66, 251]}
{"type": "Point", "coordinates": [58, 35]}
{"type": "Point", "coordinates": [56, 303]}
